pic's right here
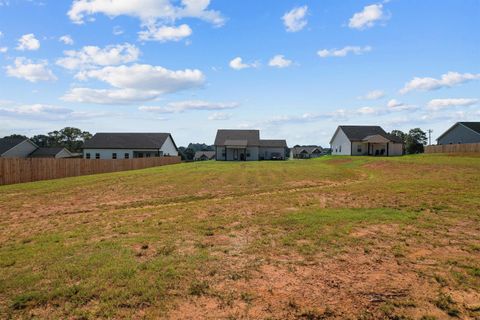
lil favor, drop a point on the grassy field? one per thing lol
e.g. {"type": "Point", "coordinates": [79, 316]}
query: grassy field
{"type": "Point", "coordinates": [345, 238]}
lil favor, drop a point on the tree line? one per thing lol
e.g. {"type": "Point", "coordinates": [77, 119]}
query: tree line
{"type": "Point", "coordinates": [68, 137]}
{"type": "Point", "coordinates": [414, 140]}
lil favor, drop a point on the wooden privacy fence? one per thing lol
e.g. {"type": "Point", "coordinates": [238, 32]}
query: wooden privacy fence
{"type": "Point", "coordinates": [453, 148]}
{"type": "Point", "coordinates": [16, 170]}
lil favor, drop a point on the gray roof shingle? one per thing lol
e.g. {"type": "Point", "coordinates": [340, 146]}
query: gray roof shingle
{"type": "Point", "coordinates": [127, 141]}
{"type": "Point", "coordinates": [273, 143]}
{"type": "Point", "coordinates": [247, 138]}
{"type": "Point", "coordinates": [8, 143]}
{"type": "Point", "coordinates": [251, 136]}
{"type": "Point", "coordinates": [475, 126]}
{"type": "Point", "coordinates": [46, 152]}
{"type": "Point", "coordinates": [358, 133]}
{"type": "Point", "coordinates": [208, 154]}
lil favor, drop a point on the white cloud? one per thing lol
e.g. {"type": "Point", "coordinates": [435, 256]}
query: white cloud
{"type": "Point", "coordinates": [139, 82]}
{"type": "Point", "coordinates": [367, 17]}
{"type": "Point", "coordinates": [373, 95]}
{"type": "Point", "coordinates": [218, 116]}
{"type": "Point", "coordinates": [148, 11]}
{"type": "Point", "coordinates": [92, 56]}
{"type": "Point", "coordinates": [28, 42]}
{"type": "Point", "coordinates": [188, 105]}
{"type": "Point", "coordinates": [449, 79]}
{"type": "Point", "coordinates": [279, 61]}
{"type": "Point", "coordinates": [238, 64]}
{"type": "Point", "coordinates": [108, 96]}
{"type": "Point", "coordinates": [295, 20]}
{"type": "Point", "coordinates": [26, 69]}
{"type": "Point", "coordinates": [343, 52]}
{"type": "Point", "coordinates": [165, 33]}
{"type": "Point", "coordinates": [438, 104]}
{"type": "Point", "coordinates": [44, 112]}
{"type": "Point", "coordinates": [3, 49]}
{"type": "Point", "coordinates": [66, 39]}
{"type": "Point", "coordinates": [367, 111]}
{"type": "Point", "coordinates": [117, 30]}
{"type": "Point", "coordinates": [395, 105]}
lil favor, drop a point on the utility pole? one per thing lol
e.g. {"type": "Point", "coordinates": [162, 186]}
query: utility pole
{"type": "Point", "coordinates": [430, 137]}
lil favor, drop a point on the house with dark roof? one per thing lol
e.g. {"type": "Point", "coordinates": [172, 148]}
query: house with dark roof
{"type": "Point", "coordinates": [306, 152]}
{"type": "Point", "coordinates": [246, 145]}
{"type": "Point", "coordinates": [129, 145]}
{"type": "Point", "coordinates": [461, 132]}
{"type": "Point", "coordinates": [365, 140]}
{"type": "Point", "coordinates": [52, 152]}
{"type": "Point", "coordinates": [16, 147]}
{"type": "Point", "coordinates": [204, 155]}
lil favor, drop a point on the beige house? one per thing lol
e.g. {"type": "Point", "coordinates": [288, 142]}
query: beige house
{"type": "Point", "coordinates": [365, 141]}
{"type": "Point", "coordinates": [246, 145]}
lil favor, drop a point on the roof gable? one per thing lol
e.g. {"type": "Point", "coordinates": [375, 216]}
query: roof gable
{"type": "Point", "coordinates": [127, 141]}
{"type": "Point", "coordinates": [44, 152]}
{"type": "Point", "coordinates": [359, 133]}
{"type": "Point", "coordinates": [474, 126]}
{"type": "Point", "coordinates": [273, 143]}
{"type": "Point", "coordinates": [8, 143]}
{"type": "Point", "coordinates": [252, 137]}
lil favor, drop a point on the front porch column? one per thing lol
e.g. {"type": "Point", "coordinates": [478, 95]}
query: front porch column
{"type": "Point", "coordinates": [388, 145]}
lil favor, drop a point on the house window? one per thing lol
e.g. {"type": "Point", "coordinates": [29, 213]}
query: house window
{"type": "Point", "coordinates": [114, 155]}
{"type": "Point", "coordinates": [87, 155]}
{"type": "Point", "coordinates": [340, 149]}
{"type": "Point", "coordinates": [97, 155]}
{"type": "Point", "coordinates": [126, 155]}
{"type": "Point", "coordinates": [223, 153]}
{"type": "Point", "coordinates": [359, 149]}
{"type": "Point", "coordinates": [248, 153]}
{"type": "Point", "coordinates": [148, 154]}
{"type": "Point", "coordinates": [140, 155]}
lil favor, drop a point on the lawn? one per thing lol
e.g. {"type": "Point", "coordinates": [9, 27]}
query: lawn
{"type": "Point", "coordinates": [335, 237]}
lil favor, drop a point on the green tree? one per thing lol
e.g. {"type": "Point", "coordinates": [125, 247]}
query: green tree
{"type": "Point", "coordinates": [41, 140]}
{"type": "Point", "coordinates": [16, 136]}
{"type": "Point", "coordinates": [189, 154]}
{"type": "Point", "coordinates": [415, 141]}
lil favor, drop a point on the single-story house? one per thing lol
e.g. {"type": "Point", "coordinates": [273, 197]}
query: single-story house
{"type": "Point", "coordinates": [246, 145]}
{"type": "Point", "coordinates": [306, 152]}
{"type": "Point", "coordinates": [52, 152]}
{"type": "Point", "coordinates": [129, 145]}
{"type": "Point", "coordinates": [365, 140]}
{"type": "Point", "coordinates": [461, 132]}
{"type": "Point", "coordinates": [204, 155]}
{"type": "Point", "coordinates": [16, 147]}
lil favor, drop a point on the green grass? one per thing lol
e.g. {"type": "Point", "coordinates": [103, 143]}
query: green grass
{"type": "Point", "coordinates": [138, 243]}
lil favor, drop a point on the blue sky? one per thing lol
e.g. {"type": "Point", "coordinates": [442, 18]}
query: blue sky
{"type": "Point", "coordinates": [294, 69]}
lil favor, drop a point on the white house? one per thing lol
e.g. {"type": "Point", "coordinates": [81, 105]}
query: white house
{"type": "Point", "coordinates": [461, 132]}
{"type": "Point", "coordinates": [365, 140]}
{"type": "Point", "coordinates": [129, 145]}
{"type": "Point", "coordinates": [246, 145]}
{"type": "Point", "coordinates": [16, 147]}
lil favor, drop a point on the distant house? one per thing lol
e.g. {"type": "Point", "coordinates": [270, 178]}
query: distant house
{"type": "Point", "coordinates": [246, 145]}
{"type": "Point", "coordinates": [129, 145]}
{"type": "Point", "coordinates": [204, 155]}
{"type": "Point", "coordinates": [306, 152]}
{"type": "Point", "coordinates": [16, 147]}
{"type": "Point", "coordinates": [461, 132]}
{"type": "Point", "coordinates": [365, 140]}
{"type": "Point", "coordinates": [52, 152]}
